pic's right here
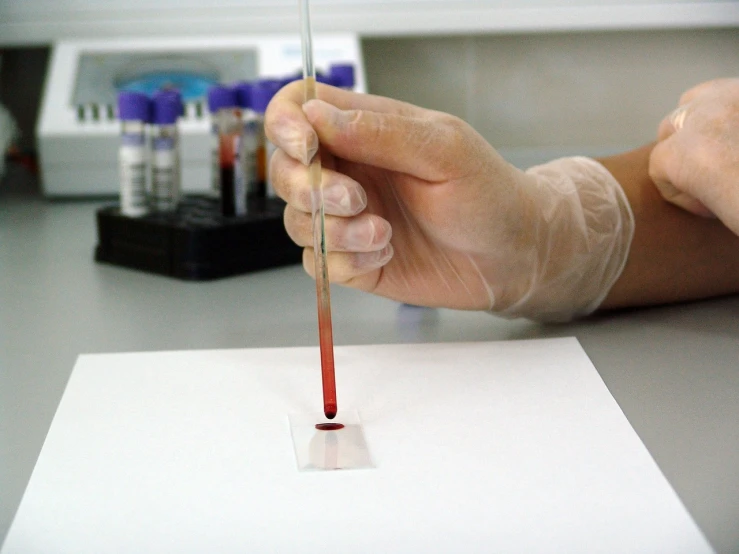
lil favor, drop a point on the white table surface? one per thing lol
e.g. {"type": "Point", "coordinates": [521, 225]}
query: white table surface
{"type": "Point", "coordinates": [673, 370]}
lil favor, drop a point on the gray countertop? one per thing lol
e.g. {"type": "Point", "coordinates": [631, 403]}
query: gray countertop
{"type": "Point", "coordinates": [674, 370]}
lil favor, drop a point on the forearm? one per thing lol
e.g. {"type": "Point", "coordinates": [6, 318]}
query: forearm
{"type": "Point", "coordinates": [675, 256]}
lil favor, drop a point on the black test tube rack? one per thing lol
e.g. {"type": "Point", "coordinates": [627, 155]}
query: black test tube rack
{"type": "Point", "coordinates": [196, 242]}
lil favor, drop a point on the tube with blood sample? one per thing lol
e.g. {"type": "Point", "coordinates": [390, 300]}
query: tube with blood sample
{"type": "Point", "coordinates": [255, 187]}
{"type": "Point", "coordinates": [227, 123]}
{"type": "Point", "coordinates": [262, 93]}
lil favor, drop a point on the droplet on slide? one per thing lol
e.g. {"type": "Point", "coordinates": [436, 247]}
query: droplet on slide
{"type": "Point", "coordinates": [322, 445]}
{"type": "Point", "coordinates": [333, 426]}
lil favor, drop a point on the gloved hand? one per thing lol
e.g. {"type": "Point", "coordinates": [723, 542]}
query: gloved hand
{"type": "Point", "coordinates": [695, 165]}
{"type": "Point", "coordinates": [421, 209]}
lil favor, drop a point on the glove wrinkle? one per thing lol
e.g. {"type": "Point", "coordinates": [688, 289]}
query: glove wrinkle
{"type": "Point", "coordinates": [582, 242]}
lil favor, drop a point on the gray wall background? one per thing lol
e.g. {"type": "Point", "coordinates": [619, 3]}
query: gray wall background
{"type": "Point", "coordinates": [540, 95]}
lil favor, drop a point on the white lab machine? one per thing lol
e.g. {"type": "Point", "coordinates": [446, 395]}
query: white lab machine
{"type": "Point", "coordinates": [78, 132]}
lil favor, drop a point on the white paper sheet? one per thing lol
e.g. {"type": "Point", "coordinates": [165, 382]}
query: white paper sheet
{"type": "Point", "coordinates": [478, 447]}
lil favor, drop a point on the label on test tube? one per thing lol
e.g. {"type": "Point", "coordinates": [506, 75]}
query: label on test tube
{"type": "Point", "coordinates": [132, 159]}
{"type": "Point", "coordinates": [164, 177]}
{"type": "Point", "coordinates": [215, 165]}
{"type": "Point", "coordinates": [233, 193]}
{"type": "Point", "coordinates": [269, 150]}
{"type": "Point", "coordinates": [250, 144]}
{"type": "Point", "coordinates": [239, 178]}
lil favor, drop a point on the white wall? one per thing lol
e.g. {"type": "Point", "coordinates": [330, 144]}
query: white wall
{"type": "Point", "coordinates": [44, 21]}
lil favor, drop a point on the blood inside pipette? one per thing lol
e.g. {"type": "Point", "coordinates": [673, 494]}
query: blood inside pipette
{"type": "Point", "coordinates": [326, 340]}
{"type": "Point", "coordinates": [323, 292]}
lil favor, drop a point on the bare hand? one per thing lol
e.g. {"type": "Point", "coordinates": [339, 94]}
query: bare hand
{"type": "Point", "coordinates": [695, 165]}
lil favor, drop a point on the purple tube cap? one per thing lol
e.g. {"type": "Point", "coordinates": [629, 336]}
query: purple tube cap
{"type": "Point", "coordinates": [166, 107]}
{"type": "Point", "coordinates": [220, 97]}
{"type": "Point", "coordinates": [243, 94]}
{"type": "Point", "coordinates": [342, 74]}
{"type": "Point", "coordinates": [133, 106]}
{"type": "Point", "coordinates": [176, 96]}
{"type": "Point", "coordinates": [326, 79]}
{"type": "Point", "coordinates": [262, 93]}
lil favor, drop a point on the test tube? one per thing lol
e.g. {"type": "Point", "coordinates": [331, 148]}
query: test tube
{"type": "Point", "coordinates": [226, 117]}
{"type": "Point", "coordinates": [218, 96]}
{"type": "Point", "coordinates": [262, 93]}
{"type": "Point", "coordinates": [167, 107]}
{"type": "Point", "coordinates": [255, 187]}
{"type": "Point", "coordinates": [342, 75]}
{"type": "Point", "coordinates": [134, 111]}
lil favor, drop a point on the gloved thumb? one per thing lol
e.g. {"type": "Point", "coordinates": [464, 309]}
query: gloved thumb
{"type": "Point", "coordinates": [413, 145]}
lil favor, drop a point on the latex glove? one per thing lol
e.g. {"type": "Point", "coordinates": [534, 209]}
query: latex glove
{"type": "Point", "coordinates": [423, 210]}
{"type": "Point", "coordinates": [695, 165]}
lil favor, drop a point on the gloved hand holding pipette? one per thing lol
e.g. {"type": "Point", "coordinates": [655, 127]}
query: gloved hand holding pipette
{"type": "Point", "coordinates": [421, 209]}
{"type": "Point", "coordinates": [468, 229]}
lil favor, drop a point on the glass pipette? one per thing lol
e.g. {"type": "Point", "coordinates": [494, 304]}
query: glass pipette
{"type": "Point", "coordinates": [323, 293]}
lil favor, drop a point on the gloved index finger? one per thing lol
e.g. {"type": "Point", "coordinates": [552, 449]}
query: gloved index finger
{"type": "Point", "coordinates": [432, 148]}
{"type": "Point", "coordinates": [287, 127]}
{"type": "Point", "coordinates": [348, 100]}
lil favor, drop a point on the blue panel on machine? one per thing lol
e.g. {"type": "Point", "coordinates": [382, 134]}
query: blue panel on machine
{"type": "Point", "coordinates": [190, 85]}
